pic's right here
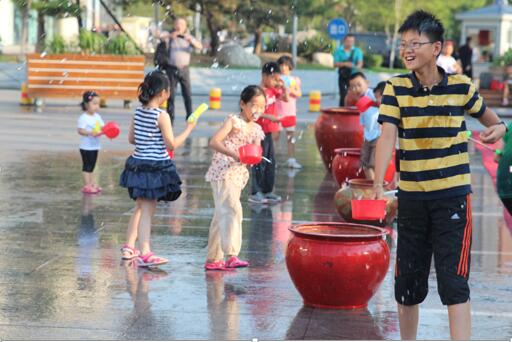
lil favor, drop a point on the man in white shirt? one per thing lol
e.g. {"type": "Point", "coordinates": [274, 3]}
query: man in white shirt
{"type": "Point", "coordinates": [446, 60]}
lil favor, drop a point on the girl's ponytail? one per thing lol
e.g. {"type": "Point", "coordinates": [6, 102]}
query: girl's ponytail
{"type": "Point", "coordinates": [154, 83]}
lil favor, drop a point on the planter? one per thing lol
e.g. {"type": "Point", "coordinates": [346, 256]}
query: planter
{"type": "Point", "coordinates": [361, 189]}
{"type": "Point", "coordinates": [337, 265]}
{"type": "Point", "coordinates": [346, 165]}
{"type": "Point", "coordinates": [337, 128]}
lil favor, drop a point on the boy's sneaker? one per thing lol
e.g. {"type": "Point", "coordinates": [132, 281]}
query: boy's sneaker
{"type": "Point", "coordinates": [293, 164]}
{"type": "Point", "coordinates": [272, 197]}
{"type": "Point", "coordinates": [258, 198]}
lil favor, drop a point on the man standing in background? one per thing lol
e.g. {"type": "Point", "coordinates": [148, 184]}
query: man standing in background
{"type": "Point", "coordinates": [347, 59]}
{"type": "Point", "coordinates": [173, 56]}
{"type": "Point", "coordinates": [466, 58]}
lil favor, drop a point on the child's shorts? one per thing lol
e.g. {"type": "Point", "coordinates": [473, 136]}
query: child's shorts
{"type": "Point", "coordinates": [89, 158]}
{"type": "Point", "coordinates": [368, 153]}
{"type": "Point", "coordinates": [441, 227]}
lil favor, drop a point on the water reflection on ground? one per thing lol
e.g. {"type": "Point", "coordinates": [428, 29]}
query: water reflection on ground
{"type": "Point", "coordinates": [63, 278]}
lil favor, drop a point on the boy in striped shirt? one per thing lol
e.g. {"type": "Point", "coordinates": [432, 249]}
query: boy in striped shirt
{"type": "Point", "coordinates": [426, 109]}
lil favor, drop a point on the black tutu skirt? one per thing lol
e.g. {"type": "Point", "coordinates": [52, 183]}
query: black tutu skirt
{"type": "Point", "coordinates": [151, 179]}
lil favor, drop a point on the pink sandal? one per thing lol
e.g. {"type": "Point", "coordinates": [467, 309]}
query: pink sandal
{"type": "Point", "coordinates": [97, 187]}
{"type": "Point", "coordinates": [234, 262]}
{"type": "Point", "coordinates": [150, 259]}
{"type": "Point", "coordinates": [89, 189]}
{"type": "Point", "coordinates": [219, 265]}
{"type": "Point", "coordinates": [130, 251]}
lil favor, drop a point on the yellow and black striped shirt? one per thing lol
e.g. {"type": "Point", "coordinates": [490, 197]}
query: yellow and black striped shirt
{"type": "Point", "coordinates": [433, 154]}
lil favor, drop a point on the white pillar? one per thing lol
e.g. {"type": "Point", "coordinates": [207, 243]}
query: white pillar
{"type": "Point", "coordinates": [197, 23]}
{"type": "Point", "coordinates": [97, 7]}
{"type": "Point", "coordinates": [295, 24]}
{"type": "Point", "coordinates": [89, 8]}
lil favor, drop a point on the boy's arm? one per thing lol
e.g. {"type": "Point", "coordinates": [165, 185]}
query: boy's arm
{"type": "Point", "coordinates": [269, 117]}
{"type": "Point", "coordinates": [495, 129]}
{"type": "Point", "coordinates": [476, 107]}
{"type": "Point", "coordinates": [383, 155]}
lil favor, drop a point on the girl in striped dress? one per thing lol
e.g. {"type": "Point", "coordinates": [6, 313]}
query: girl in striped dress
{"type": "Point", "coordinates": [150, 174]}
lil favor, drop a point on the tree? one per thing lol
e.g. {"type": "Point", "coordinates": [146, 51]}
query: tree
{"type": "Point", "coordinates": [24, 6]}
{"type": "Point", "coordinates": [51, 8]}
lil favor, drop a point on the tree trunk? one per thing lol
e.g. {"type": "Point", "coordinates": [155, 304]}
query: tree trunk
{"type": "Point", "coordinates": [41, 33]}
{"type": "Point", "coordinates": [257, 41]}
{"type": "Point", "coordinates": [79, 17]}
{"type": "Point", "coordinates": [214, 38]}
{"type": "Point", "coordinates": [24, 29]}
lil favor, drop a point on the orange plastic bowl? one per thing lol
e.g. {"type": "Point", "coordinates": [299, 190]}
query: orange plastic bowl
{"type": "Point", "coordinates": [368, 210]}
{"type": "Point", "coordinates": [289, 121]}
{"type": "Point", "coordinates": [250, 154]}
{"type": "Point", "coordinates": [111, 130]}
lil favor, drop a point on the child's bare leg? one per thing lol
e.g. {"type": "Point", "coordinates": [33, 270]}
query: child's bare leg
{"type": "Point", "coordinates": [87, 178]}
{"type": "Point", "coordinates": [276, 136]}
{"type": "Point", "coordinates": [291, 144]}
{"type": "Point", "coordinates": [369, 173]}
{"type": "Point", "coordinates": [459, 316]}
{"type": "Point", "coordinates": [133, 225]}
{"type": "Point", "coordinates": [408, 318]}
{"type": "Point", "coordinates": [147, 210]}
{"type": "Point", "coordinates": [505, 94]}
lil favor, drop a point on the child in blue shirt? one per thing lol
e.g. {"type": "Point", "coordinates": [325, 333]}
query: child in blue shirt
{"type": "Point", "coordinates": [359, 86]}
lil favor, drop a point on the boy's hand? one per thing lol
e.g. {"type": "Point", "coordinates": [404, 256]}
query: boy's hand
{"type": "Point", "coordinates": [378, 191]}
{"type": "Point", "coordinates": [497, 157]}
{"type": "Point", "coordinates": [493, 133]}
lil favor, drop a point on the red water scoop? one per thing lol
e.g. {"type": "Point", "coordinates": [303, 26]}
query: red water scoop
{"type": "Point", "coordinates": [288, 121]}
{"type": "Point", "coordinates": [364, 103]}
{"type": "Point", "coordinates": [111, 130]}
{"type": "Point", "coordinates": [171, 153]}
{"type": "Point", "coordinates": [250, 154]}
{"type": "Point", "coordinates": [368, 210]}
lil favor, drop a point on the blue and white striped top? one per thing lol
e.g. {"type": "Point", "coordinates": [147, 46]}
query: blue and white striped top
{"type": "Point", "coordinates": [149, 143]}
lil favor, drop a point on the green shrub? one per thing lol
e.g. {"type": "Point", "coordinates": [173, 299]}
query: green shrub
{"type": "Point", "coordinates": [120, 45]}
{"type": "Point", "coordinates": [505, 59]}
{"type": "Point", "coordinates": [373, 60]}
{"type": "Point", "coordinates": [91, 42]}
{"type": "Point", "coordinates": [318, 43]}
{"type": "Point", "coordinates": [56, 45]}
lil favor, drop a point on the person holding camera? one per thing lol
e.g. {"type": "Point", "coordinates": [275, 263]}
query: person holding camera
{"type": "Point", "coordinates": [347, 59]}
{"type": "Point", "coordinates": [173, 56]}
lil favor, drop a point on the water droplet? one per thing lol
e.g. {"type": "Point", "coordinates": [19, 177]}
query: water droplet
{"type": "Point", "coordinates": [43, 54]}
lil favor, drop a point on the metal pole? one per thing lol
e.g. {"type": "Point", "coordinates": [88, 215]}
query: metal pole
{"type": "Point", "coordinates": [294, 38]}
{"type": "Point", "coordinates": [197, 23]}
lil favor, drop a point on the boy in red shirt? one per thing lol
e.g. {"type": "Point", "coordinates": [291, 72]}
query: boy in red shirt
{"type": "Point", "coordinates": [263, 174]}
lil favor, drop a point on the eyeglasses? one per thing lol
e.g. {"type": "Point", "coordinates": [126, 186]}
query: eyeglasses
{"type": "Point", "coordinates": [413, 45]}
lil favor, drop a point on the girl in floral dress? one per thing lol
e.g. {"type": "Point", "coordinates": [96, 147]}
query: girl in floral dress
{"type": "Point", "coordinates": [228, 177]}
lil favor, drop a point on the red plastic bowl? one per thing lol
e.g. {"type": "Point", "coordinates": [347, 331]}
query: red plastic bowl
{"type": "Point", "coordinates": [250, 154]}
{"type": "Point", "coordinates": [111, 130]}
{"type": "Point", "coordinates": [368, 210]}
{"type": "Point", "coordinates": [289, 121]}
{"type": "Point", "coordinates": [363, 104]}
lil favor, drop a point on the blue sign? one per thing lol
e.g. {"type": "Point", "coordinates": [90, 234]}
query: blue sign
{"type": "Point", "coordinates": [337, 28]}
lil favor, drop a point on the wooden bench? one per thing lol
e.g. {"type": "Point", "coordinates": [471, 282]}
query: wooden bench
{"type": "Point", "coordinates": [70, 75]}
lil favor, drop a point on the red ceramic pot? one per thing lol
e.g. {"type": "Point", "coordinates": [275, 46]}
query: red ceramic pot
{"type": "Point", "coordinates": [363, 189]}
{"type": "Point", "coordinates": [346, 165]}
{"type": "Point", "coordinates": [337, 265]}
{"type": "Point", "coordinates": [336, 128]}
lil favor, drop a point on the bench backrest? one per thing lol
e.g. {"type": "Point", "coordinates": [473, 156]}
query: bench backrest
{"type": "Point", "coordinates": [69, 75]}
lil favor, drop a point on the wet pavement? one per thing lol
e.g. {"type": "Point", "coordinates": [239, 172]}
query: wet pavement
{"type": "Point", "coordinates": [62, 277]}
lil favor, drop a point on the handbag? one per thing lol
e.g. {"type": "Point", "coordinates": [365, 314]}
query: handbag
{"type": "Point", "coordinates": [345, 72]}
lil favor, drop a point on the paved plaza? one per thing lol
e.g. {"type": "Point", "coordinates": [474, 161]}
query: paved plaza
{"type": "Point", "coordinates": [62, 277]}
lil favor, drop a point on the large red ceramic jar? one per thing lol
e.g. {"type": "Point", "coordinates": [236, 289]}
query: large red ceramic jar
{"type": "Point", "coordinates": [363, 189]}
{"type": "Point", "coordinates": [337, 265]}
{"type": "Point", "coordinates": [347, 164]}
{"type": "Point", "coordinates": [335, 128]}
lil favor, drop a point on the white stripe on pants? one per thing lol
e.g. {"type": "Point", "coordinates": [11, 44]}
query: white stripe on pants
{"type": "Point", "coordinates": [226, 228]}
